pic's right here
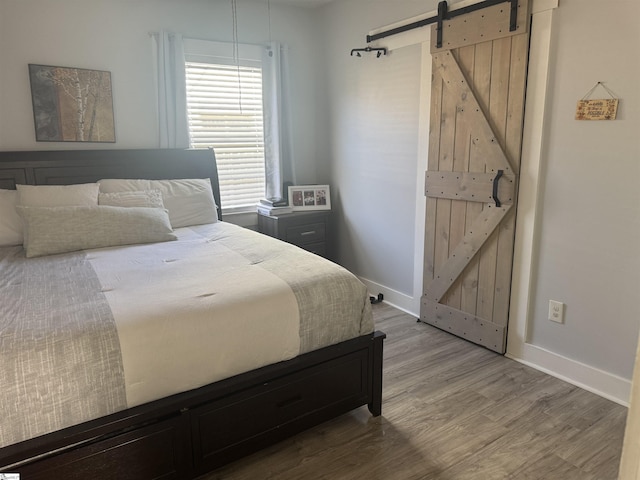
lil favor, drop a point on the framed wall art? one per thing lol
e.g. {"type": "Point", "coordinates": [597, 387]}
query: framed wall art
{"type": "Point", "coordinates": [71, 104]}
{"type": "Point", "coordinates": [309, 197]}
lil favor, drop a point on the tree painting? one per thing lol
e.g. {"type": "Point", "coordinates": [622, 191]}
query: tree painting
{"type": "Point", "coordinates": [72, 104]}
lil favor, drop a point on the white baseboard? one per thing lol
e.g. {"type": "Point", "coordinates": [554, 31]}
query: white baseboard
{"type": "Point", "coordinates": [605, 384]}
{"type": "Point", "coordinates": [396, 299]}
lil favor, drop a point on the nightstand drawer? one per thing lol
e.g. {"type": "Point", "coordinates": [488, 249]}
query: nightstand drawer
{"type": "Point", "coordinates": [305, 234]}
{"type": "Point", "coordinates": [308, 230]}
{"type": "Point", "coordinates": [319, 248]}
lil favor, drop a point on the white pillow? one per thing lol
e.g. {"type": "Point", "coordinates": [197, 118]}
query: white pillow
{"type": "Point", "coordinates": [141, 198]}
{"type": "Point", "coordinates": [49, 230]}
{"type": "Point", "coordinates": [10, 221]}
{"type": "Point", "coordinates": [189, 202]}
{"type": "Point", "coordinates": [57, 195]}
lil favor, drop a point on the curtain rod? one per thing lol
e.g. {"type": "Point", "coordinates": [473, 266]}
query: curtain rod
{"type": "Point", "coordinates": [264, 45]}
{"type": "Point", "coordinates": [445, 14]}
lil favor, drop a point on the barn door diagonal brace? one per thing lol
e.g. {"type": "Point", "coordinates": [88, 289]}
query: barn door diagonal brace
{"type": "Point", "coordinates": [478, 234]}
{"type": "Point", "coordinates": [455, 80]}
{"type": "Point", "coordinates": [445, 14]}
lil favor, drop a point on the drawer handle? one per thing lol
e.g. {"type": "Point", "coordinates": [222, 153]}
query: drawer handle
{"type": "Point", "coordinates": [310, 232]}
{"type": "Point", "coordinates": [289, 401]}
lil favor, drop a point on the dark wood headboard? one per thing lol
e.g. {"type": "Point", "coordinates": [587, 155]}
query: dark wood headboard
{"type": "Point", "coordinates": [65, 167]}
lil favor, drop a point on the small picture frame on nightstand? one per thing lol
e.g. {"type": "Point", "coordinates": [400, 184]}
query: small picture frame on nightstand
{"type": "Point", "coordinates": [309, 197]}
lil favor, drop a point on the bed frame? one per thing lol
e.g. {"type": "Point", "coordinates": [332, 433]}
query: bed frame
{"type": "Point", "coordinates": [186, 435]}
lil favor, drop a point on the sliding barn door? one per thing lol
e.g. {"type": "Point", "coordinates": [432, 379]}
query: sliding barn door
{"type": "Point", "coordinates": [477, 108]}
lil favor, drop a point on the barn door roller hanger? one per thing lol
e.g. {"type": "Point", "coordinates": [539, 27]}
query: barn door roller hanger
{"type": "Point", "coordinates": [445, 14]}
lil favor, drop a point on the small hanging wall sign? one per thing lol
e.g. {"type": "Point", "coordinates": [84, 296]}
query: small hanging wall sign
{"type": "Point", "coordinates": [600, 109]}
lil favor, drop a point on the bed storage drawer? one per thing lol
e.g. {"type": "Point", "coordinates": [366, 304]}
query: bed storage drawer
{"type": "Point", "coordinates": [189, 434]}
{"type": "Point", "coordinates": [158, 451]}
{"type": "Point", "coordinates": [243, 423]}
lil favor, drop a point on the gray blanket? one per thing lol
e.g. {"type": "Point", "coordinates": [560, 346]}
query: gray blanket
{"type": "Point", "coordinates": [60, 360]}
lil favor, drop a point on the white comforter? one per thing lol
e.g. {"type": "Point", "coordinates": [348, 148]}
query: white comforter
{"type": "Point", "coordinates": [89, 333]}
{"type": "Point", "coordinates": [184, 310]}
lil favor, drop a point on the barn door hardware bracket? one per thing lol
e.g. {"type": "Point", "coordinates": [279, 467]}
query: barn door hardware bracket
{"type": "Point", "coordinates": [447, 16]}
{"type": "Point", "coordinates": [513, 16]}
{"type": "Point", "coordinates": [442, 15]}
{"type": "Point", "coordinates": [495, 187]}
{"type": "Point", "coordinates": [379, 51]}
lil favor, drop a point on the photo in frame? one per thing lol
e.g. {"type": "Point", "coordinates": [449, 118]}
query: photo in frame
{"type": "Point", "coordinates": [309, 197]}
{"type": "Point", "coordinates": [72, 104]}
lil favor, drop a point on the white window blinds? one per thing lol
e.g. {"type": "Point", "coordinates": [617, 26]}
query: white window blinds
{"type": "Point", "coordinates": [224, 107]}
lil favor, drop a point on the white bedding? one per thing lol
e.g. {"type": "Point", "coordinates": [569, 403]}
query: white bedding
{"type": "Point", "coordinates": [85, 334]}
{"type": "Point", "coordinates": [184, 309]}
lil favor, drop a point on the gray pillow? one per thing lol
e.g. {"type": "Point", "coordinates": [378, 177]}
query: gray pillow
{"type": "Point", "coordinates": [189, 201]}
{"type": "Point", "coordinates": [58, 195]}
{"type": "Point", "coordinates": [50, 230]}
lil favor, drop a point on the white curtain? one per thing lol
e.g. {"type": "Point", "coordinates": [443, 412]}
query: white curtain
{"type": "Point", "coordinates": [279, 158]}
{"type": "Point", "coordinates": [173, 129]}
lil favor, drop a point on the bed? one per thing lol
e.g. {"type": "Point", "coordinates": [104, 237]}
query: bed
{"type": "Point", "coordinates": [169, 357]}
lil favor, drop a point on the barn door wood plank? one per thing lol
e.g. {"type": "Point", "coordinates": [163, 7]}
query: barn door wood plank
{"type": "Point", "coordinates": [432, 164]}
{"type": "Point", "coordinates": [513, 145]}
{"type": "Point", "coordinates": [448, 116]}
{"type": "Point", "coordinates": [517, 90]}
{"type": "Point", "coordinates": [477, 163]}
{"type": "Point", "coordinates": [497, 116]}
{"type": "Point", "coordinates": [461, 149]}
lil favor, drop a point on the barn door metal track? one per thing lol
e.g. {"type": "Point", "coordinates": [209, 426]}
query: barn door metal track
{"type": "Point", "coordinates": [445, 14]}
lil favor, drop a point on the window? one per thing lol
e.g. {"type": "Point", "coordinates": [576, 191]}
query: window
{"type": "Point", "coordinates": [224, 108]}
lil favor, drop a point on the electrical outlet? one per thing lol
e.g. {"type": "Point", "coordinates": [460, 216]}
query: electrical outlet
{"type": "Point", "coordinates": [556, 311]}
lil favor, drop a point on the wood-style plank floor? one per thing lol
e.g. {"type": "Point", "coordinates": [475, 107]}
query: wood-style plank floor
{"type": "Point", "coordinates": [452, 411]}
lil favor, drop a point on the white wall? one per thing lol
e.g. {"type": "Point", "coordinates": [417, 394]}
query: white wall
{"type": "Point", "coordinates": [370, 121]}
{"type": "Point", "coordinates": [589, 235]}
{"type": "Point", "coordinates": [588, 227]}
{"type": "Point", "coordinates": [113, 35]}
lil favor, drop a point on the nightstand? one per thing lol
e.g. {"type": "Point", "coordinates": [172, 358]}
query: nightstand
{"type": "Point", "coordinates": [308, 230]}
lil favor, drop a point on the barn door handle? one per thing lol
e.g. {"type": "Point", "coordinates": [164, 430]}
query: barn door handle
{"type": "Point", "coordinates": [495, 187]}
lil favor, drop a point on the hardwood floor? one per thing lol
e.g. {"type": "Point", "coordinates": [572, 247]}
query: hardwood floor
{"type": "Point", "coordinates": [452, 411]}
